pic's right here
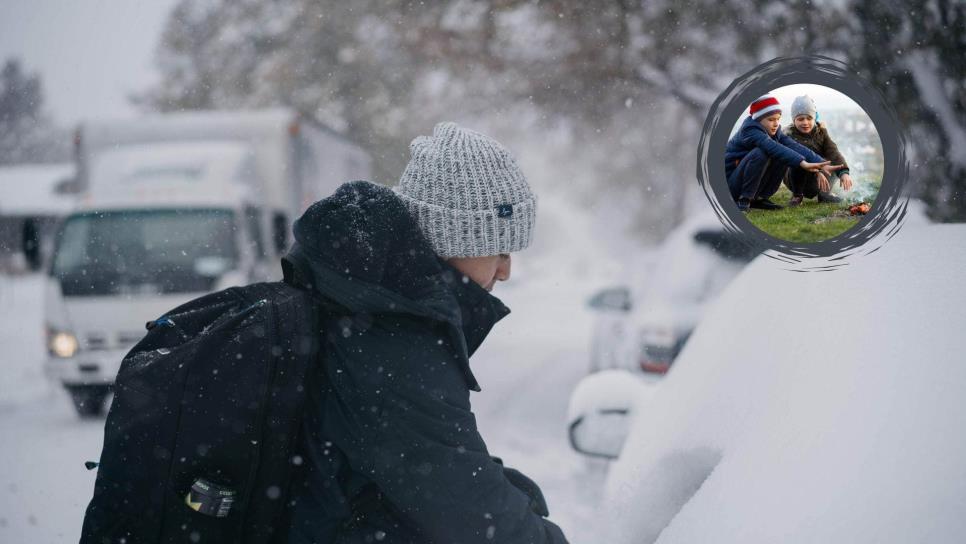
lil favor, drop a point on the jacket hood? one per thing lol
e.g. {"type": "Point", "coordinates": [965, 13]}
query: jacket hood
{"type": "Point", "coordinates": [362, 250]}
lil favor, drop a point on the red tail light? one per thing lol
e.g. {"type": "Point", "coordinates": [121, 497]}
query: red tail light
{"type": "Point", "coordinates": [655, 367]}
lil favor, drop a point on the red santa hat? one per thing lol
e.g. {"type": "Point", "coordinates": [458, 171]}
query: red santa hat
{"type": "Point", "coordinates": [764, 105]}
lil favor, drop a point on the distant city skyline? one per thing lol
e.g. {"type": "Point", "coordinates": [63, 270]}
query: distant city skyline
{"type": "Point", "coordinates": [91, 55]}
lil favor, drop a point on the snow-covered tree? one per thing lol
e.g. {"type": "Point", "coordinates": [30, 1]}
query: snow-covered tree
{"type": "Point", "coordinates": [915, 54]}
{"type": "Point", "coordinates": [26, 134]}
{"type": "Point", "coordinates": [343, 63]}
{"type": "Point", "coordinates": [620, 87]}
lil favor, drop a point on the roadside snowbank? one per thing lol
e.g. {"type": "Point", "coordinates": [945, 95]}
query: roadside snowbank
{"type": "Point", "coordinates": [22, 338]}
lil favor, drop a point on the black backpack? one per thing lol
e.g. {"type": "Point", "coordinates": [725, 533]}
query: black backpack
{"type": "Point", "coordinates": [200, 441]}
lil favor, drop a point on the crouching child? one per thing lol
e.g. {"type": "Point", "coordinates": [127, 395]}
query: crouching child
{"type": "Point", "coordinates": [806, 130]}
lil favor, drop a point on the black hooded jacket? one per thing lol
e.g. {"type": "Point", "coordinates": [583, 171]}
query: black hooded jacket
{"type": "Point", "coordinates": [391, 447]}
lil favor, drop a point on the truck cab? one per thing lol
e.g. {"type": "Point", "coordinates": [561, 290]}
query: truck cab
{"type": "Point", "coordinates": [162, 223]}
{"type": "Point", "coordinates": [173, 206]}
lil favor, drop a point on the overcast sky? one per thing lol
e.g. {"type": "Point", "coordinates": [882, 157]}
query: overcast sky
{"type": "Point", "coordinates": [91, 54]}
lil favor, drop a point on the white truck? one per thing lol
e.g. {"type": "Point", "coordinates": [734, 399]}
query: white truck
{"type": "Point", "coordinates": [174, 206]}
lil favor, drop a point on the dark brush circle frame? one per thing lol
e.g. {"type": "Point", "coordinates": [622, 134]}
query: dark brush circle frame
{"type": "Point", "coordinates": [889, 208]}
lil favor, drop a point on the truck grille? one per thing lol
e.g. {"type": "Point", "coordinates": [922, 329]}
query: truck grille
{"type": "Point", "coordinates": [127, 339]}
{"type": "Point", "coordinates": [95, 341]}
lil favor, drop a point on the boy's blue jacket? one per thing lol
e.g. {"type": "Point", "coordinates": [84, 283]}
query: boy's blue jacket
{"type": "Point", "coordinates": [781, 147]}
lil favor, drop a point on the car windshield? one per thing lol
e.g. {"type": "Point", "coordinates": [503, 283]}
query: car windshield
{"type": "Point", "coordinates": [146, 251]}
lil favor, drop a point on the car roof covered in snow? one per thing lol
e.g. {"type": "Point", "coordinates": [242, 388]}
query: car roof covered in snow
{"type": "Point", "coordinates": [29, 189]}
{"type": "Point", "coordinates": [811, 407]}
{"type": "Point", "coordinates": [686, 274]}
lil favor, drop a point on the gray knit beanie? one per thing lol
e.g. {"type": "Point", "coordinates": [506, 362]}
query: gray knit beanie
{"type": "Point", "coordinates": [467, 194]}
{"type": "Point", "coordinates": [803, 105]}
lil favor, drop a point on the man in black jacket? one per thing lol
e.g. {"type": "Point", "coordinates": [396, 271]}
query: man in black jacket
{"type": "Point", "coordinates": [391, 450]}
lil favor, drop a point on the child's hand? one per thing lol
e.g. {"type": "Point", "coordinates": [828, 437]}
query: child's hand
{"type": "Point", "coordinates": [846, 182]}
{"type": "Point", "coordinates": [813, 166]}
{"type": "Point", "coordinates": [829, 170]}
{"type": "Point", "coordinates": [823, 166]}
{"type": "Point", "coordinates": [823, 184]}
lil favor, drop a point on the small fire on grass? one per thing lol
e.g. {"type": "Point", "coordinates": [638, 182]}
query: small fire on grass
{"type": "Point", "coordinates": [861, 208]}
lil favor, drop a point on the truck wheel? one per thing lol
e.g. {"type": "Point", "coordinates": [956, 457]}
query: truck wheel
{"type": "Point", "coordinates": [88, 399]}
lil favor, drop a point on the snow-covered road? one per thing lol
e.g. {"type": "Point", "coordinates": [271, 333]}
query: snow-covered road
{"type": "Point", "coordinates": [44, 486]}
{"type": "Point", "coordinates": [527, 369]}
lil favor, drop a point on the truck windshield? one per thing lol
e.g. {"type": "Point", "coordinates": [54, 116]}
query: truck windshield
{"type": "Point", "coordinates": [144, 251]}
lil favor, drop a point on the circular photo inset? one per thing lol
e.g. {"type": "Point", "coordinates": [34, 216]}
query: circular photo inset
{"type": "Point", "coordinates": [804, 163]}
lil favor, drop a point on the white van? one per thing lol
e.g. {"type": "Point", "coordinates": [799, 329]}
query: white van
{"type": "Point", "coordinates": [166, 216]}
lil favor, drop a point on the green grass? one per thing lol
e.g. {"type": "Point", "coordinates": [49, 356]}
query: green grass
{"type": "Point", "coordinates": [810, 222]}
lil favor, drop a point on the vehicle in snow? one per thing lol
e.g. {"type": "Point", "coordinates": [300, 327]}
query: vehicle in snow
{"type": "Point", "coordinates": [645, 330]}
{"type": "Point", "coordinates": [839, 420]}
{"type": "Point", "coordinates": [30, 209]}
{"type": "Point", "coordinates": [172, 207]}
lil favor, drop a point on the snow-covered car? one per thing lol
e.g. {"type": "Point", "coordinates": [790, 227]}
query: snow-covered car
{"type": "Point", "coordinates": [837, 415]}
{"type": "Point", "coordinates": [645, 329]}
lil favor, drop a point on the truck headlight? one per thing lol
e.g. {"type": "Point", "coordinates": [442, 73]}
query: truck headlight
{"type": "Point", "coordinates": [61, 343]}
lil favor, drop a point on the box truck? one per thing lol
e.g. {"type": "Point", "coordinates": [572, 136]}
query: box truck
{"type": "Point", "coordinates": [171, 207]}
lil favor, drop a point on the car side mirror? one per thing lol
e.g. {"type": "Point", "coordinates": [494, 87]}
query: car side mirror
{"type": "Point", "coordinates": [601, 411]}
{"type": "Point", "coordinates": [599, 434]}
{"type": "Point", "coordinates": [31, 244]}
{"type": "Point", "coordinates": [613, 299]}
